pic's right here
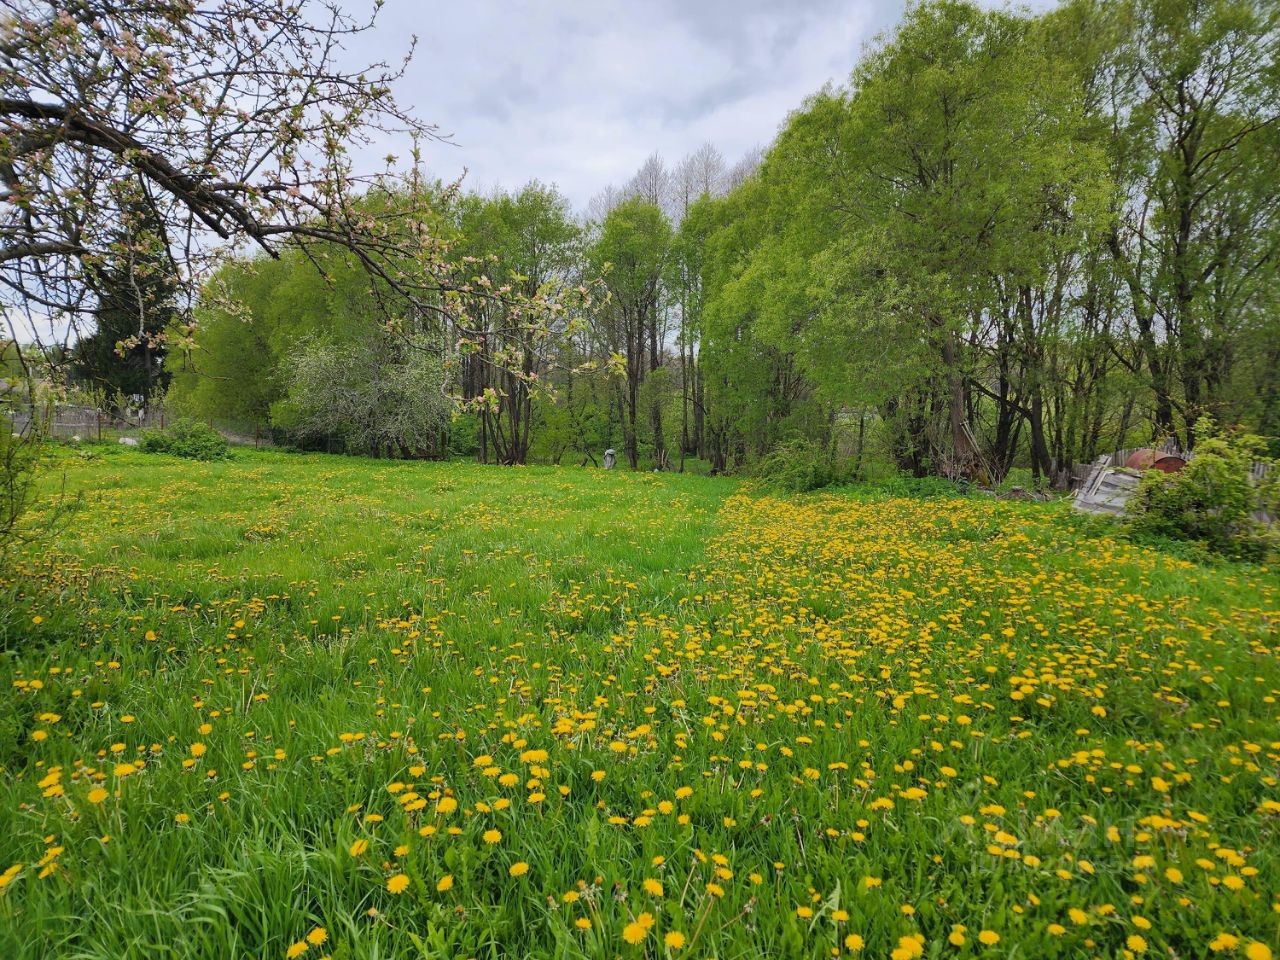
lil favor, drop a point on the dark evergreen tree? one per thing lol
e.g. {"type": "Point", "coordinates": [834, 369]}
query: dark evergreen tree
{"type": "Point", "coordinates": [136, 304]}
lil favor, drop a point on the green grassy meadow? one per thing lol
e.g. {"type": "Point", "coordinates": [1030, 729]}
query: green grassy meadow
{"type": "Point", "coordinates": [315, 706]}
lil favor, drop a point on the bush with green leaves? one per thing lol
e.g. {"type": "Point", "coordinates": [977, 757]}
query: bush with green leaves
{"type": "Point", "coordinates": [1214, 499]}
{"type": "Point", "coordinates": [800, 466]}
{"type": "Point", "coordinates": [187, 438]}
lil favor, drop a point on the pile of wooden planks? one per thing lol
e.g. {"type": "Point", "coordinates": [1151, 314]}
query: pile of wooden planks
{"type": "Point", "coordinates": [1107, 489]}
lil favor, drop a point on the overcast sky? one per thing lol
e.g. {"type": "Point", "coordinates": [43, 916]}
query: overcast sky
{"type": "Point", "coordinates": [579, 92]}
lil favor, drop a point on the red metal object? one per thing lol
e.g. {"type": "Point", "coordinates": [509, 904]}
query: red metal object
{"type": "Point", "coordinates": [1141, 459]}
{"type": "Point", "coordinates": [1155, 460]}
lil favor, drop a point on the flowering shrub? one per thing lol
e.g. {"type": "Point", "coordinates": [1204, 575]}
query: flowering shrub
{"type": "Point", "coordinates": [19, 458]}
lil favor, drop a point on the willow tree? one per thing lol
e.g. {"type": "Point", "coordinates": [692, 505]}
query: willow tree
{"type": "Point", "coordinates": [945, 162]}
{"type": "Point", "coordinates": [1194, 111]}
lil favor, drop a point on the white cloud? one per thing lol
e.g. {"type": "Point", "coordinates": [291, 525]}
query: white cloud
{"type": "Point", "coordinates": [578, 93]}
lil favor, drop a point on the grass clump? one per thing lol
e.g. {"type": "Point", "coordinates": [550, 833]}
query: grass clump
{"type": "Point", "coordinates": [801, 466]}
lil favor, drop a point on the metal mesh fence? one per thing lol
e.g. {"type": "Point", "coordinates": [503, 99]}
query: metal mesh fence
{"type": "Point", "coordinates": [71, 421]}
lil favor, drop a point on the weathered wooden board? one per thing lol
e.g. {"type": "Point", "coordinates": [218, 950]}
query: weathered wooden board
{"type": "Point", "coordinates": [1107, 490]}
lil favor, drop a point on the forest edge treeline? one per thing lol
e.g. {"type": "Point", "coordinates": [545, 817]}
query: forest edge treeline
{"type": "Point", "coordinates": [1008, 240]}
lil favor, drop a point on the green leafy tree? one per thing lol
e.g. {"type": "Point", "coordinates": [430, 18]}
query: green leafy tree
{"type": "Point", "coordinates": [1193, 107]}
{"type": "Point", "coordinates": [232, 368]}
{"type": "Point", "coordinates": [927, 203]}
{"type": "Point", "coordinates": [631, 254]}
{"type": "Point", "coordinates": [526, 242]}
{"type": "Point", "coordinates": [756, 391]}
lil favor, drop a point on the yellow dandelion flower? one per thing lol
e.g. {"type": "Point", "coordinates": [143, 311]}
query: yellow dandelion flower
{"type": "Point", "coordinates": [398, 884]}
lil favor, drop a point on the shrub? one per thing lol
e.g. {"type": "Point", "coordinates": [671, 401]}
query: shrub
{"type": "Point", "coordinates": [186, 438]}
{"type": "Point", "coordinates": [27, 512]}
{"type": "Point", "coordinates": [921, 488]}
{"type": "Point", "coordinates": [1213, 499]}
{"type": "Point", "coordinates": [800, 466]}
{"type": "Point", "coordinates": [464, 436]}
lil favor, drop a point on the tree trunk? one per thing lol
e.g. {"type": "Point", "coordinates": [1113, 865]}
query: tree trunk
{"type": "Point", "coordinates": [963, 459]}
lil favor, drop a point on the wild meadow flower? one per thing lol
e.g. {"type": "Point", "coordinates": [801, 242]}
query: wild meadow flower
{"type": "Point", "coordinates": [398, 883]}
